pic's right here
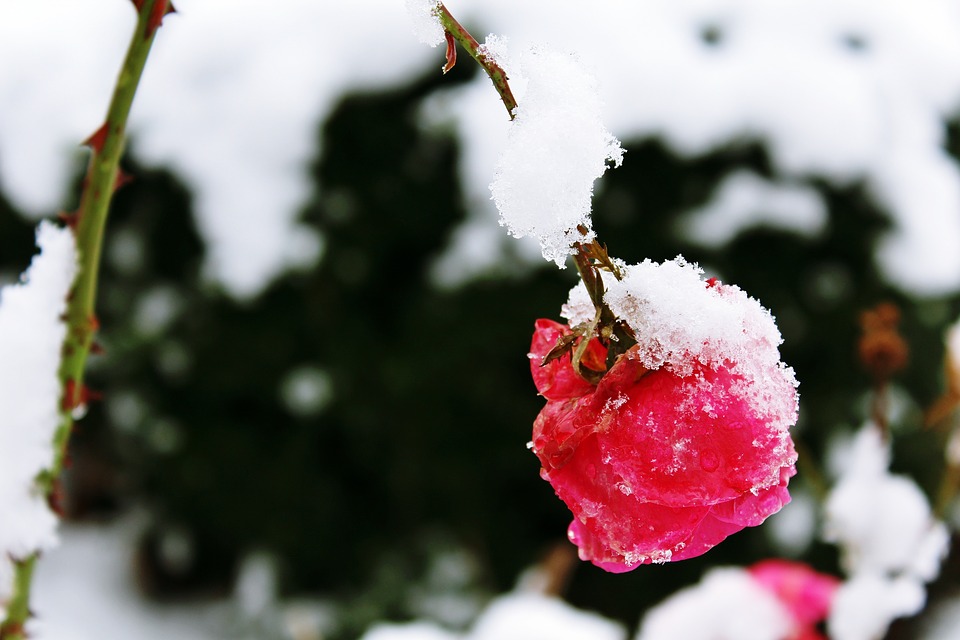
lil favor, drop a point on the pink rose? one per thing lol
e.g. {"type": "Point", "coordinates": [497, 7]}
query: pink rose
{"type": "Point", "coordinates": [806, 594]}
{"type": "Point", "coordinates": [662, 464]}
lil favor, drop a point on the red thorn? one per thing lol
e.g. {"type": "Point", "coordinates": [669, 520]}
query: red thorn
{"type": "Point", "coordinates": [160, 10]}
{"type": "Point", "coordinates": [122, 179]}
{"type": "Point", "coordinates": [73, 398]}
{"type": "Point", "coordinates": [93, 323]}
{"type": "Point", "coordinates": [97, 349]}
{"type": "Point", "coordinates": [713, 282]}
{"type": "Point", "coordinates": [70, 219]}
{"type": "Point", "coordinates": [451, 52]}
{"type": "Point", "coordinates": [55, 498]}
{"type": "Point", "coordinates": [95, 141]}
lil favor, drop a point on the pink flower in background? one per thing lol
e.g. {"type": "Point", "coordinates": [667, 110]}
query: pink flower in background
{"type": "Point", "coordinates": [669, 453]}
{"type": "Point", "coordinates": [805, 593]}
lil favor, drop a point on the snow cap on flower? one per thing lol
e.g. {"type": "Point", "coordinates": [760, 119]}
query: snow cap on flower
{"type": "Point", "coordinates": [685, 439]}
{"type": "Point", "coordinates": [557, 148]}
{"type": "Point", "coordinates": [31, 337]}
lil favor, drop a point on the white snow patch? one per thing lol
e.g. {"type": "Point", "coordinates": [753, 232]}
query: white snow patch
{"type": "Point", "coordinates": [745, 200]}
{"type": "Point", "coordinates": [426, 25]}
{"type": "Point", "coordinates": [557, 148]}
{"type": "Point", "coordinates": [31, 338]}
{"type": "Point", "coordinates": [865, 605]}
{"type": "Point", "coordinates": [890, 542]}
{"type": "Point", "coordinates": [727, 603]}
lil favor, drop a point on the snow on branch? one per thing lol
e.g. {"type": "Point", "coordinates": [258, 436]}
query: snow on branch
{"type": "Point", "coordinates": [31, 339]}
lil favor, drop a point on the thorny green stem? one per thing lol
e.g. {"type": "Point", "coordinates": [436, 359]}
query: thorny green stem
{"type": "Point", "coordinates": [89, 222]}
{"type": "Point", "coordinates": [471, 46]}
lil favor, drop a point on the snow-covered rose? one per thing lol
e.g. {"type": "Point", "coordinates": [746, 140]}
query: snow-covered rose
{"type": "Point", "coordinates": [685, 439]}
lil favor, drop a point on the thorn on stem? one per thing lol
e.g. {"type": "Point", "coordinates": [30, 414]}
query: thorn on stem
{"type": "Point", "coordinates": [70, 219]}
{"type": "Point", "coordinates": [161, 9]}
{"type": "Point", "coordinates": [121, 180]}
{"type": "Point", "coordinates": [451, 52]}
{"type": "Point", "coordinates": [96, 140]}
{"type": "Point", "coordinates": [74, 398]}
{"type": "Point", "coordinates": [55, 499]}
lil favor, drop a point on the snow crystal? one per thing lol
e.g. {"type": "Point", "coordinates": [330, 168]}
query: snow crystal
{"type": "Point", "coordinates": [579, 308]}
{"type": "Point", "coordinates": [864, 606]}
{"type": "Point", "coordinates": [497, 49]}
{"type": "Point", "coordinates": [745, 199]}
{"type": "Point", "coordinates": [678, 318]}
{"type": "Point", "coordinates": [557, 148]}
{"type": "Point", "coordinates": [727, 603]}
{"type": "Point", "coordinates": [31, 337]}
{"type": "Point", "coordinates": [426, 26]}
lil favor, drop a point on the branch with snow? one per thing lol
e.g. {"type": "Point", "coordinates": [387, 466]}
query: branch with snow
{"type": "Point", "coordinates": [31, 337]}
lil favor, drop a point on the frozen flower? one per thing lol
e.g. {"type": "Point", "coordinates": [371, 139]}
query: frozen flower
{"type": "Point", "coordinates": [684, 440]}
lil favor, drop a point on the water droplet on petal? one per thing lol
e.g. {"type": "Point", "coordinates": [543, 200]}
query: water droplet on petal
{"type": "Point", "coordinates": [709, 460]}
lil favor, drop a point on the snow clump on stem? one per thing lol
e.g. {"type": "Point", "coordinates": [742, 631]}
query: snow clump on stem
{"type": "Point", "coordinates": [31, 338]}
{"type": "Point", "coordinates": [557, 148]}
